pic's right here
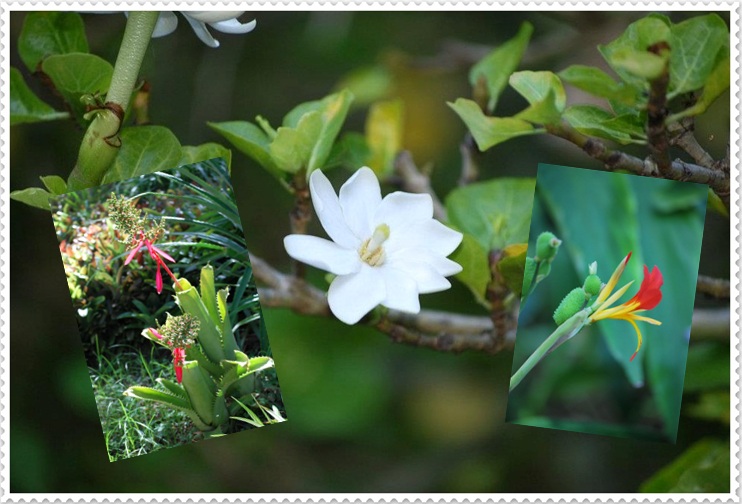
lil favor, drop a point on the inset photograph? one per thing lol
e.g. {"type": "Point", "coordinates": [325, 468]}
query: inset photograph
{"type": "Point", "coordinates": [168, 312]}
{"type": "Point", "coordinates": [607, 303]}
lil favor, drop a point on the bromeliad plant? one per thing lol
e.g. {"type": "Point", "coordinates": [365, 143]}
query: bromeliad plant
{"type": "Point", "coordinates": [594, 302]}
{"type": "Point", "coordinates": [209, 367]}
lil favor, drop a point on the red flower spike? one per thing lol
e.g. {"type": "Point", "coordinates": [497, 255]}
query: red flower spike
{"type": "Point", "coordinates": [158, 279]}
{"type": "Point", "coordinates": [133, 253]}
{"type": "Point", "coordinates": [178, 360]}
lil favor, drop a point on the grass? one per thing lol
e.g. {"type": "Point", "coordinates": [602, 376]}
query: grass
{"type": "Point", "coordinates": [132, 427]}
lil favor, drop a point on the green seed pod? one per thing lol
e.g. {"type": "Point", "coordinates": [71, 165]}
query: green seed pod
{"type": "Point", "coordinates": [546, 246]}
{"type": "Point", "coordinates": [592, 285]}
{"type": "Point", "coordinates": [528, 275]}
{"type": "Point", "coordinates": [571, 304]}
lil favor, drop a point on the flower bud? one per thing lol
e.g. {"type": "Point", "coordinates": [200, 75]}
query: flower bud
{"type": "Point", "coordinates": [592, 285]}
{"type": "Point", "coordinates": [546, 246]}
{"type": "Point", "coordinates": [571, 304]}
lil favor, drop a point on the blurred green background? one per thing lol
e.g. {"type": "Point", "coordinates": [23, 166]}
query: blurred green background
{"type": "Point", "coordinates": [365, 414]}
{"type": "Point", "coordinates": [589, 384]}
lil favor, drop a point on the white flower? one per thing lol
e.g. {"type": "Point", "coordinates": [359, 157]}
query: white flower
{"type": "Point", "coordinates": [383, 251]}
{"type": "Point", "coordinates": [223, 21]}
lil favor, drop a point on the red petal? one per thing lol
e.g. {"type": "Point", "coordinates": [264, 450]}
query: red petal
{"type": "Point", "coordinates": [179, 373]}
{"type": "Point", "coordinates": [155, 333]}
{"type": "Point", "coordinates": [649, 294]}
{"type": "Point", "coordinates": [133, 252]}
{"type": "Point", "coordinates": [158, 280]}
{"type": "Point", "coordinates": [163, 254]}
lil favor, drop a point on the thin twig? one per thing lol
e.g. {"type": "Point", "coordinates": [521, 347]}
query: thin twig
{"type": "Point", "coordinates": [437, 330]}
{"type": "Point", "coordinates": [617, 160]}
{"type": "Point", "coordinates": [716, 287]}
{"type": "Point", "coordinates": [413, 180]}
{"type": "Point", "coordinates": [682, 136]}
{"type": "Point", "coordinates": [450, 332]}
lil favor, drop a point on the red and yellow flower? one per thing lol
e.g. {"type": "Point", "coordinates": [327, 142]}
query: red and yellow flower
{"type": "Point", "coordinates": [648, 296]}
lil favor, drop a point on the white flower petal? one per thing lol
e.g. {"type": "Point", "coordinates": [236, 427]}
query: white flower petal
{"type": "Point", "coordinates": [352, 296]}
{"type": "Point", "coordinates": [166, 24]}
{"type": "Point", "coordinates": [442, 265]}
{"type": "Point", "coordinates": [399, 210]}
{"type": "Point", "coordinates": [213, 16]}
{"type": "Point", "coordinates": [327, 207]}
{"type": "Point", "coordinates": [425, 275]}
{"type": "Point", "coordinates": [430, 235]}
{"type": "Point", "coordinates": [322, 254]}
{"type": "Point", "coordinates": [199, 28]}
{"type": "Point", "coordinates": [401, 290]}
{"type": "Point", "coordinates": [234, 26]}
{"type": "Point", "coordinates": [359, 198]}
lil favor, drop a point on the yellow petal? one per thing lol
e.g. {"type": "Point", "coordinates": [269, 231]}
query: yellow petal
{"type": "Point", "coordinates": [644, 319]}
{"type": "Point", "coordinates": [604, 307]}
{"type": "Point", "coordinates": [639, 338]}
{"type": "Point", "coordinates": [613, 280]}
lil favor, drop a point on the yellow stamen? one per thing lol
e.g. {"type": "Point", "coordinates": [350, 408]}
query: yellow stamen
{"type": "Point", "coordinates": [638, 335]}
{"type": "Point", "coordinates": [645, 319]}
{"type": "Point", "coordinates": [372, 251]}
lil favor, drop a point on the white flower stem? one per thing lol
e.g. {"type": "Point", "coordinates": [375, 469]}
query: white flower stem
{"type": "Point", "coordinates": [101, 141]}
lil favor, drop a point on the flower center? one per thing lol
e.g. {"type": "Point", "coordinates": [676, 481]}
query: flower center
{"type": "Point", "coordinates": [371, 251]}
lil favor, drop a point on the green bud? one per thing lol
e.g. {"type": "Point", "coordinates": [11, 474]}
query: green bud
{"type": "Point", "coordinates": [528, 275]}
{"type": "Point", "coordinates": [546, 246]}
{"type": "Point", "coordinates": [592, 285]}
{"type": "Point", "coordinates": [571, 304]}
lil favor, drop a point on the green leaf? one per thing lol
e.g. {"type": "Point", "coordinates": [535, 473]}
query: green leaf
{"type": "Point", "coordinates": [25, 106]}
{"type": "Point", "coordinates": [475, 274]}
{"type": "Point", "coordinates": [173, 388]}
{"type": "Point", "coordinates": [496, 212]}
{"type": "Point", "coordinates": [598, 83]}
{"type": "Point", "coordinates": [55, 184]}
{"type": "Point", "coordinates": [190, 154]}
{"type": "Point", "coordinates": [144, 149]}
{"type": "Point", "coordinates": [292, 147]}
{"type": "Point", "coordinates": [643, 64]}
{"type": "Point", "coordinates": [334, 109]}
{"type": "Point", "coordinates": [33, 196]}
{"type": "Point", "coordinates": [208, 293]}
{"type": "Point", "coordinates": [702, 468]}
{"type": "Point", "coordinates": [540, 88]}
{"type": "Point", "coordinates": [167, 398]}
{"type": "Point", "coordinates": [637, 37]}
{"type": "Point", "coordinates": [512, 266]}
{"type": "Point", "coordinates": [225, 325]}
{"type": "Point", "coordinates": [672, 239]}
{"type": "Point", "coordinates": [201, 391]}
{"type": "Point", "coordinates": [596, 121]}
{"type": "Point", "coordinates": [47, 33]}
{"type": "Point", "coordinates": [208, 333]}
{"type": "Point", "coordinates": [251, 141]}
{"type": "Point", "coordinates": [695, 46]}
{"type": "Point", "coordinates": [351, 151]}
{"type": "Point", "coordinates": [78, 74]}
{"type": "Point", "coordinates": [384, 135]}
{"type": "Point", "coordinates": [489, 131]}
{"type": "Point", "coordinates": [498, 65]}
{"type": "Point", "coordinates": [716, 83]}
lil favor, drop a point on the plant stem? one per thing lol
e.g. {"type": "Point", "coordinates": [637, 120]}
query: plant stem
{"type": "Point", "coordinates": [101, 141]}
{"type": "Point", "coordinates": [562, 333]}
